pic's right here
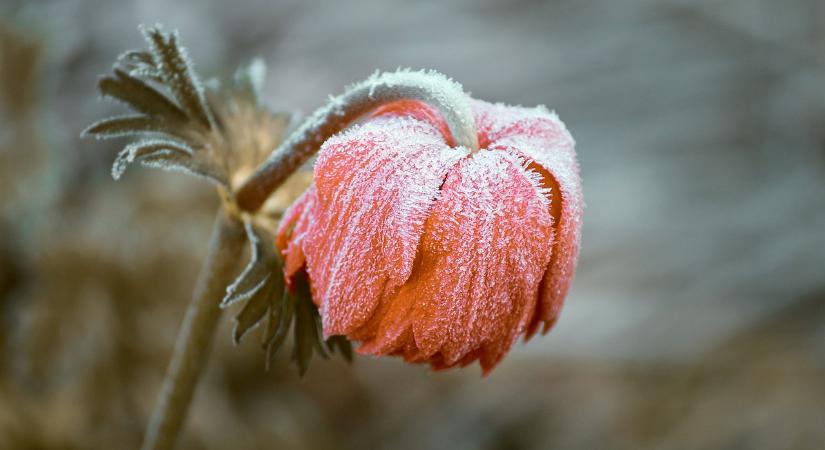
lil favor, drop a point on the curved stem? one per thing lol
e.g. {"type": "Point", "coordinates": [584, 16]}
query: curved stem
{"type": "Point", "coordinates": [430, 87]}
{"type": "Point", "coordinates": [195, 336]}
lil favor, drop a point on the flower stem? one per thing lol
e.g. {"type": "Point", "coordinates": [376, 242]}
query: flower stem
{"type": "Point", "coordinates": [195, 336]}
{"type": "Point", "coordinates": [430, 87]}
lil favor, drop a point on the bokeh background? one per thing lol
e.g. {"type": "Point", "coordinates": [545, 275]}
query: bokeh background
{"type": "Point", "coordinates": [697, 317]}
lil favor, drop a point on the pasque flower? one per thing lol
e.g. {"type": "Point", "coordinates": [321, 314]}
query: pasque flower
{"type": "Point", "coordinates": [435, 252]}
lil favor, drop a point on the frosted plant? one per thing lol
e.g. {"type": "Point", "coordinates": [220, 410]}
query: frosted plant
{"type": "Point", "coordinates": [441, 229]}
{"type": "Point", "coordinates": [220, 132]}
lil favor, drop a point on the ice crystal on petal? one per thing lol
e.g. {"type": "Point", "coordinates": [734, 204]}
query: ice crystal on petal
{"type": "Point", "coordinates": [376, 181]}
{"type": "Point", "coordinates": [484, 251]}
{"type": "Point", "coordinates": [540, 137]}
{"type": "Point", "coordinates": [292, 230]}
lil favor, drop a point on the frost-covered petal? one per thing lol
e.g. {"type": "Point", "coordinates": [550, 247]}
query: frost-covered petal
{"type": "Point", "coordinates": [481, 259]}
{"type": "Point", "coordinates": [292, 230]}
{"type": "Point", "coordinates": [375, 185]}
{"type": "Point", "coordinates": [540, 137]}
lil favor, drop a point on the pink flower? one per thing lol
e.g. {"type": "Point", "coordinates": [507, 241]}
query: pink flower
{"type": "Point", "coordinates": [434, 253]}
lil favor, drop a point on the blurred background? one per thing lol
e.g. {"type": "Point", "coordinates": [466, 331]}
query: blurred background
{"type": "Point", "coordinates": [697, 317]}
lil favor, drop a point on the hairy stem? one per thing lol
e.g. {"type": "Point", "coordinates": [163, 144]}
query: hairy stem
{"type": "Point", "coordinates": [429, 87]}
{"type": "Point", "coordinates": [195, 337]}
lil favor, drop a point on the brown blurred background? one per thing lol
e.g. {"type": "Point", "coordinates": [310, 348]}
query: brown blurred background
{"type": "Point", "coordinates": [697, 317]}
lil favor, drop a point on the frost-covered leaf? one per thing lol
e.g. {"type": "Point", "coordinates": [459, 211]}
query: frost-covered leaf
{"type": "Point", "coordinates": [137, 57]}
{"type": "Point", "coordinates": [261, 283]}
{"type": "Point", "coordinates": [140, 64]}
{"type": "Point", "coordinates": [140, 96]}
{"type": "Point", "coordinates": [175, 70]}
{"type": "Point", "coordinates": [227, 127]}
{"type": "Point", "coordinates": [261, 289]}
{"type": "Point", "coordinates": [264, 262]}
{"type": "Point", "coordinates": [253, 311]}
{"type": "Point", "coordinates": [155, 151]}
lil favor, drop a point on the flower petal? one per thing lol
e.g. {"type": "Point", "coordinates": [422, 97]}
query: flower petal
{"type": "Point", "coordinates": [375, 185]}
{"type": "Point", "coordinates": [481, 260]}
{"type": "Point", "coordinates": [541, 138]}
{"type": "Point", "coordinates": [292, 231]}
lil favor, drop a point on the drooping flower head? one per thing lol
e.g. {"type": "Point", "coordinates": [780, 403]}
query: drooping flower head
{"type": "Point", "coordinates": [437, 253]}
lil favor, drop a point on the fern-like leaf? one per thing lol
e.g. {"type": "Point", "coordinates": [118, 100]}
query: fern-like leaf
{"type": "Point", "coordinates": [131, 125]}
{"type": "Point", "coordinates": [265, 299]}
{"type": "Point", "coordinates": [154, 152]}
{"type": "Point", "coordinates": [175, 70]}
{"type": "Point", "coordinates": [226, 126]}
{"type": "Point", "coordinates": [140, 96]}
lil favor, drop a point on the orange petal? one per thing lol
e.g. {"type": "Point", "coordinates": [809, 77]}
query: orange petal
{"type": "Point", "coordinates": [541, 138]}
{"type": "Point", "coordinates": [292, 231]}
{"type": "Point", "coordinates": [481, 260]}
{"type": "Point", "coordinates": [375, 186]}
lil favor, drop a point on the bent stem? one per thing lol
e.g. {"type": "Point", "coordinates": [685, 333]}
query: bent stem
{"type": "Point", "coordinates": [429, 87]}
{"type": "Point", "coordinates": [195, 337]}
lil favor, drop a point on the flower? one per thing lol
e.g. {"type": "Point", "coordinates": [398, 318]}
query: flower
{"type": "Point", "coordinates": [439, 254]}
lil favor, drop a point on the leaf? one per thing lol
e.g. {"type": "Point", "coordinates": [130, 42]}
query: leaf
{"type": "Point", "coordinates": [304, 336]}
{"type": "Point", "coordinates": [262, 265]}
{"type": "Point", "coordinates": [307, 326]}
{"type": "Point", "coordinates": [318, 339]}
{"type": "Point", "coordinates": [136, 57]}
{"type": "Point", "coordinates": [278, 331]}
{"type": "Point", "coordinates": [176, 71]}
{"type": "Point", "coordinates": [261, 284]}
{"type": "Point", "coordinates": [273, 320]}
{"type": "Point", "coordinates": [229, 129]}
{"type": "Point", "coordinates": [253, 311]}
{"type": "Point", "coordinates": [150, 150]}
{"type": "Point", "coordinates": [341, 345]}
{"type": "Point", "coordinates": [140, 96]}
{"type": "Point", "coordinates": [127, 126]}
